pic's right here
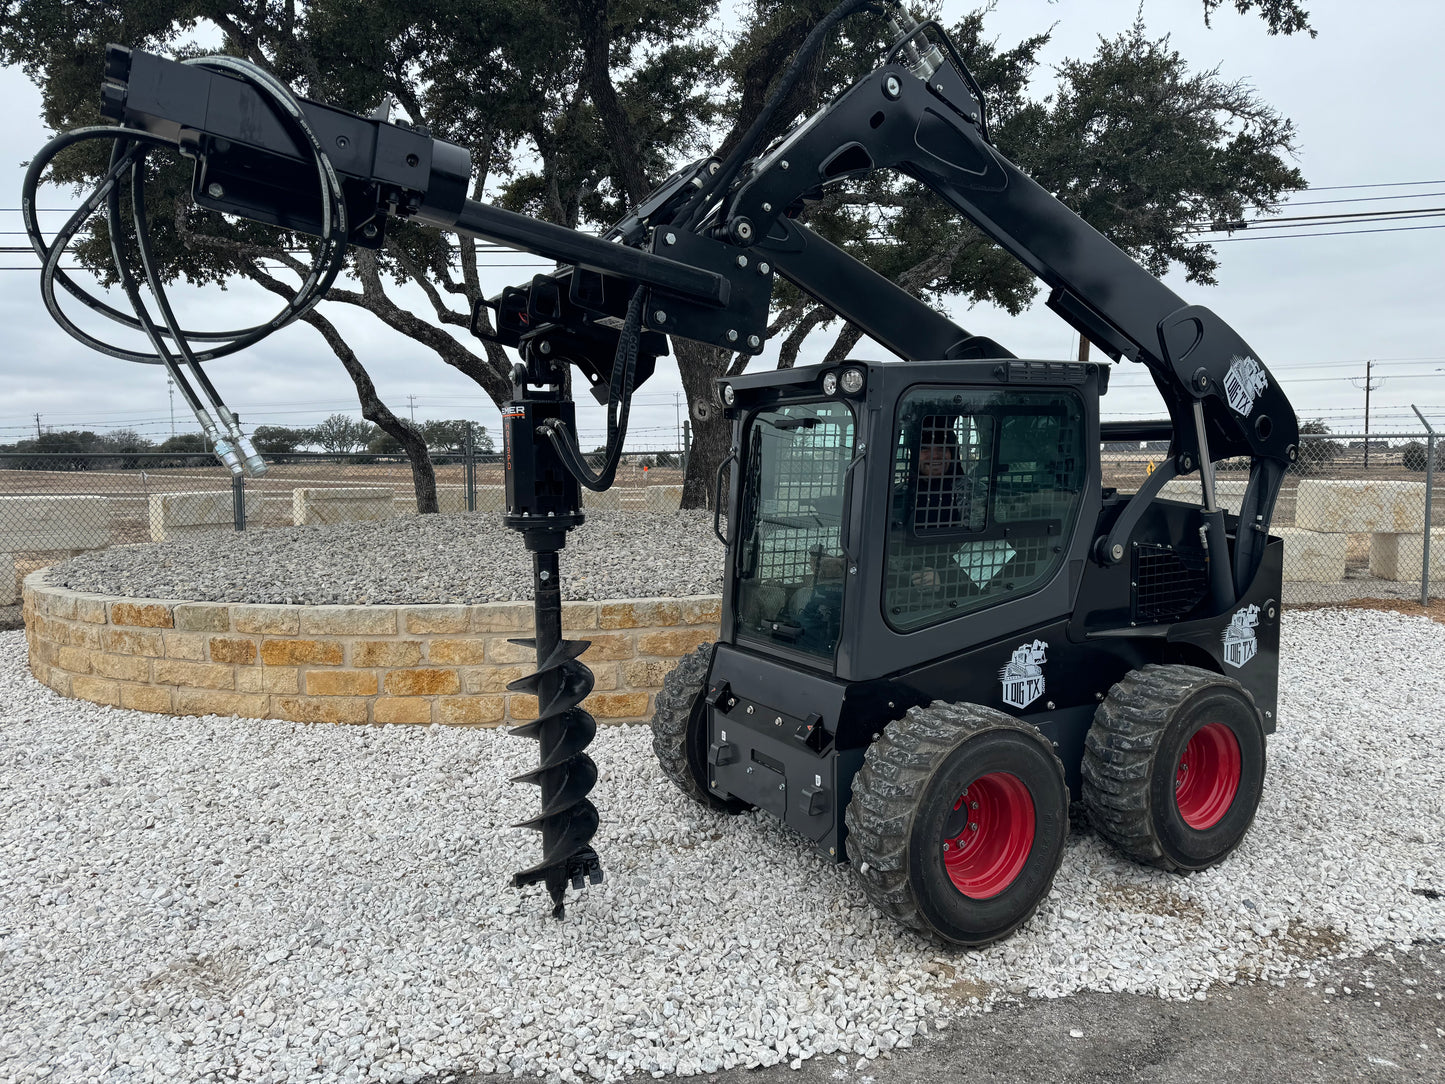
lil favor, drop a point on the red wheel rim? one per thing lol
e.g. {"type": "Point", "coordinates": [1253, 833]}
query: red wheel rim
{"type": "Point", "coordinates": [987, 838]}
{"type": "Point", "coordinates": [1206, 779]}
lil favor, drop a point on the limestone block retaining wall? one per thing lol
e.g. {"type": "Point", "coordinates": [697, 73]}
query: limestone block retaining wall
{"type": "Point", "coordinates": [310, 506]}
{"type": "Point", "coordinates": [1339, 506]}
{"type": "Point", "coordinates": [187, 515]}
{"type": "Point", "coordinates": [346, 664]}
{"type": "Point", "coordinates": [1313, 556]}
{"type": "Point", "coordinates": [1400, 556]}
{"type": "Point", "coordinates": [53, 523]}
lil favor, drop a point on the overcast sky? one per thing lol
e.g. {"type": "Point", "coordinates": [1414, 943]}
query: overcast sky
{"type": "Point", "coordinates": [1315, 304]}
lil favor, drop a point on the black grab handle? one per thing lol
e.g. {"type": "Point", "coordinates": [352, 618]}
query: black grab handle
{"type": "Point", "coordinates": [717, 500]}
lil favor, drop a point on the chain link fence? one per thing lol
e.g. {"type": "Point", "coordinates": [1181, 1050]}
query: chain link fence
{"type": "Point", "coordinates": [1352, 514]}
{"type": "Point", "coordinates": [56, 505]}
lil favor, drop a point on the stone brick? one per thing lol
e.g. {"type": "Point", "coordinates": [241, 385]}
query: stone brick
{"type": "Point", "coordinates": [150, 615]}
{"type": "Point", "coordinates": [1357, 506]}
{"type": "Point", "coordinates": [90, 610]}
{"type": "Point", "coordinates": [233, 649]}
{"type": "Point", "coordinates": [618, 705]}
{"type": "Point", "coordinates": [266, 620]}
{"type": "Point", "coordinates": [202, 617]}
{"type": "Point", "coordinates": [59, 680]}
{"type": "Point", "coordinates": [86, 636]}
{"type": "Point", "coordinates": [456, 652]}
{"type": "Point", "coordinates": [185, 645]}
{"type": "Point", "coordinates": [208, 702]}
{"type": "Point", "coordinates": [494, 679]}
{"type": "Point", "coordinates": [340, 683]}
{"type": "Point", "coordinates": [74, 659]}
{"type": "Point", "coordinates": [96, 690]}
{"type": "Point", "coordinates": [293, 652]}
{"type": "Point", "coordinates": [61, 604]}
{"type": "Point", "coordinates": [401, 709]}
{"type": "Point", "coordinates": [388, 653]}
{"type": "Point", "coordinates": [200, 675]}
{"type": "Point", "coordinates": [579, 615]}
{"type": "Point", "coordinates": [424, 682]}
{"type": "Point", "coordinates": [521, 707]}
{"type": "Point", "coordinates": [639, 613]}
{"type": "Point", "coordinates": [701, 610]}
{"type": "Point", "coordinates": [605, 676]}
{"type": "Point", "coordinates": [674, 643]}
{"type": "Point", "coordinates": [320, 709]}
{"type": "Point", "coordinates": [252, 679]}
{"type": "Point", "coordinates": [1313, 556]}
{"type": "Point", "coordinates": [501, 651]}
{"type": "Point", "coordinates": [432, 619]}
{"type": "Point", "coordinates": [145, 698]}
{"type": "Point", "coordinates": [646, 673]}
{"type": "Point", "coordinates": [348, 620]}
{"type": "Point", "coordinates": [132, 642]}
{"type": "Point", "coordinates": [608, 645]}
{"type": "Point", "coordinates": [470, 710]}
{"type": "Point", "coordinates": [502, 617]}
{"type": "Point", "coordinates": [279, 679]}
{"type": "Point", "coordinates": [121, 667]}
{"type": "Point", "coordinates": [47, 651]}
{"type": "Point", "coordinates": [1401, 556]}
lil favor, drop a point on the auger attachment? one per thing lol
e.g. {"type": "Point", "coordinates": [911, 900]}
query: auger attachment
{"type": "Point", "coordinates": [566, 774]}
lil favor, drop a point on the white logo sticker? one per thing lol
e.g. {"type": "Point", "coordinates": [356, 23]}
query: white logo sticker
{"type": "Point", "coordinates": [1240, 644]}
{"type": "Point", "coordinates": [1023, 677]}
{"type": "Point", "coordinates": [1243, 383]}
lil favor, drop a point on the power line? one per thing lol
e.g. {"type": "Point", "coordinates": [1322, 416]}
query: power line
{"type": "Point", "coordinates": [1323, 233]}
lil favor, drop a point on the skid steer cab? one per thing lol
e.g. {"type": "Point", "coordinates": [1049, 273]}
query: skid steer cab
{"type": "Point", "coordinates": [923, 658]}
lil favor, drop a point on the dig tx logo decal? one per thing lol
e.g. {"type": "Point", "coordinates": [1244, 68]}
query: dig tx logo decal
{"type": "Point", "coordinates": [1240, 643]}
{"type": "Point", "coordinates": [1243, 384]}
{"type": "Point", "coordinates": [1023, 677]}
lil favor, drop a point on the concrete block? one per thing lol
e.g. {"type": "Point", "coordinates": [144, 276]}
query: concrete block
{"type": "Point", "coordinates": [1338, 506]}
{"type": "Point", "coordinates": [1312, 556]}
{"type": "Point", "coordinates": [606, 501]}
{"type": "Point", "coordinates": [663, 498]}
{"type": "Point", "coordinates": [312, 506]}
{"type": "Point", "coordinates": [54, 523]}
{"type": "Point", "coordinates": [1399, 556]}
{"type": "Point", "coordinates": [187, 515]}
{"type": "Point", "coordinates": [9, 592]}
{"type": "Point", "coordinates": [1229, 494]}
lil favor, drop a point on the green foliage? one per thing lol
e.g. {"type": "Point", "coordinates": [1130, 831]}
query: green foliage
{"type": "Point", "coordinates": [340, 434]}
{"type": "Point", "coordinates": [450, 436]}
{"type": "Point", "coordinates": [1316, 456]}
{"type": "Point", "coordinates": [1416, 456]}
{"type": "Point", "coordinates": [279, 439]}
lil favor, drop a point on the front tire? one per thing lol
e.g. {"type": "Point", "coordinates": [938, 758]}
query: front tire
{"type": "Point", "coordinates": [679, 731]}
{"type": "Point", "coordinates": [957, 823]}
{"type": "Point", "coordinates": [1174, 766]}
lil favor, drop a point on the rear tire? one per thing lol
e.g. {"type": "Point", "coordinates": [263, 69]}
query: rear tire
{"type": "Point", "coordinates": [957, 823]}
{"type": "Point", "coordinates": [1174, 766]}
{"type": "Point", "coordinates": [679, 731]}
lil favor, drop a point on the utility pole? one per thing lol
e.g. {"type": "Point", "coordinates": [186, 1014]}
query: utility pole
{"type": "Point", "coordinates": [37, 425]}
{"type": "Point", "coordinates": [171, 388]}
{"type": "Point", "coordinates": [1369, 385]}
{"type": "Point", "coordinates": [412, 400]}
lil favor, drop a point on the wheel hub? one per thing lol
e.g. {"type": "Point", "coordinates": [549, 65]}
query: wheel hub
{"type": "Point", "coordinates": [1206, 779]}
{"type": "Point", "coordinates": [988, 836]}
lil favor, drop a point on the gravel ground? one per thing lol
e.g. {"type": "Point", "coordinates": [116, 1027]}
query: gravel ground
{"type": "Point", "coordinates": [199, 899]}
{"type": "Point", "coordinates": [462, 558]}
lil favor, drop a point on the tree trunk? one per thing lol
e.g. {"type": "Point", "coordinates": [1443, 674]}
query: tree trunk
{"type": "Point", "coordinates": [711, 432]}
{"type": "Point", "coordinates": [423, 475]}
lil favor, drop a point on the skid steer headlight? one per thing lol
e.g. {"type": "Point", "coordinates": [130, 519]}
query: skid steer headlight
{"type": "Point", "coordinates": [728, 395]}
{"type": "Point", "coordinates": [830, 383]}
{"type": "Point", "coordinates": [852, 381]}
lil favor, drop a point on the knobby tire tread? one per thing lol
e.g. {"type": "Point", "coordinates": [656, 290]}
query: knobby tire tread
{"type": "Point", "coordinates": [1119, 753]}
{"type": "Point", "coordinates": [895, 769]}
{"type": "Point", "coordinates": [670, 720]}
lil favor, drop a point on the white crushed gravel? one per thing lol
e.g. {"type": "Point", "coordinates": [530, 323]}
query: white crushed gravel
{"type": "Point", "coordinates": [206, 899]}
{"type": "Point", "coordinates": [412, 559]}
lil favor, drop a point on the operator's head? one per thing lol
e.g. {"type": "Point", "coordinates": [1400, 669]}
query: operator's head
{"type": "Point", "coordinates": [937, 448]}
